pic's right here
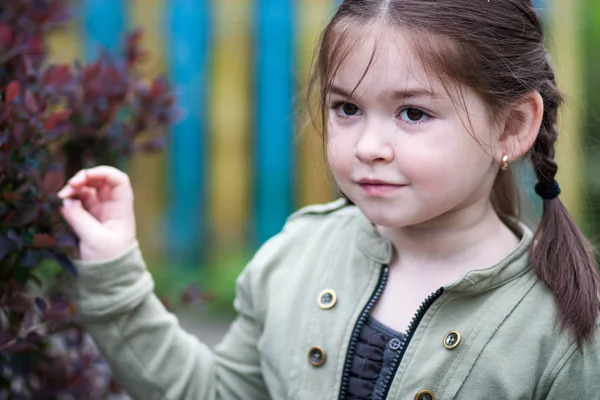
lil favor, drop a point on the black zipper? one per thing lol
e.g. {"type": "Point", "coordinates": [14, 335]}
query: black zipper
{"type": "Point", "coordinates": [414, 323]}
{"type": "Point", "coordinates": [362, 319]}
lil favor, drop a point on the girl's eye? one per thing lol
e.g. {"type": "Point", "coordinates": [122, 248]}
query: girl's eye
{"type": "Point", "coordinates": [346, 109]}
{"type": "Point", "coordinates": [413, 115]}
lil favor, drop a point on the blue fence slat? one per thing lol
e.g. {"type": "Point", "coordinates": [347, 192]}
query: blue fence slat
{"type": "Point", "coordinates": [187, 47]}
{"type": "Point", "coordinates": [104, 22]}
{"type": "Point", "coordinates": [274, 115]}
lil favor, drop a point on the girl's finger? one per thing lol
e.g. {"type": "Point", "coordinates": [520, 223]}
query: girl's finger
{"type": "Point", "coordinates": [66, 192]}
{"type": "Point", "coordinates": [111, 184]}
{"type": "Point", "coordinates": [82, 222]}
{"type": "Point", "coordinates": [102, 174]}
{"type": "Point", "coordinates": [82, 179]}
{"type": "Point", "coordinates": [88, 197]}
{"type": "Point", "coordinates": [70, 192]}
{"type": "Point", "coordinates": [105, 193]}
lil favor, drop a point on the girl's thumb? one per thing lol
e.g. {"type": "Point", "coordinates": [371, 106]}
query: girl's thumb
{"type": "Point", "coordinates": [82, 222]}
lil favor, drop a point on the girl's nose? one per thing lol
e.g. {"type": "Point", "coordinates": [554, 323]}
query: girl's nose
{"type": "Point", "coordinates": [374, 146]}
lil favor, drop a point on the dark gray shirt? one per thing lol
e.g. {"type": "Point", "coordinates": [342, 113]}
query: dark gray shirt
{"type": "Point", "coordinates": [377, 347]}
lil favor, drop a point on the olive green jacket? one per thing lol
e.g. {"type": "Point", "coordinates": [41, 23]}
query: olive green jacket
{"type": "Point", "coordinates": [289, 342]}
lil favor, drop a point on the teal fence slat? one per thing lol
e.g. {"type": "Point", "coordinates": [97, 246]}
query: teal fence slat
{"type": "Point", "coordinates": [274, 115]}
{"type": "Point", "coordinates": [103, 23]}
{"type": "Point", "coordinates": [187, 47]}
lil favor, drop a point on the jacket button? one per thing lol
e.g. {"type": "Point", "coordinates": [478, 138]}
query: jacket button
{"type": "Point", "coordinates": [316, 356]}
{"type": "Point", "coordinates": [327, 299]}
{"type": "Point", "coordinates": [425, 395]}
{"type": "Point", "coordinates": [395, 344]}
{"type": "Point", "coordinates": [451, 340]}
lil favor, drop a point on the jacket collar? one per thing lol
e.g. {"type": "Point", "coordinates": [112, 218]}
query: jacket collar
{"type": "Point", "coordinates": [379, 249]}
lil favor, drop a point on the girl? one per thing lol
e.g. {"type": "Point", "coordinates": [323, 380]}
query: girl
{"type": "Point", "coordinates": [422, 283]}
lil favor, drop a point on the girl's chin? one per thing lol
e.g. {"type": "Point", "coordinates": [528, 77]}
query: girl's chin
{"type": "Point", "coordinates": [389, 217]}
{"type": "Point", "coordinates": [386, 219]}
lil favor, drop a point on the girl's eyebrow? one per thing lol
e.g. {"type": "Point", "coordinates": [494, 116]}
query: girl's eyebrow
{"type": "Point", "coordinates": [395, 94]}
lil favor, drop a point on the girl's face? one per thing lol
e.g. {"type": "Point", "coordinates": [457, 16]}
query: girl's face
{"type": "Point", "coordinates": [398, 146]}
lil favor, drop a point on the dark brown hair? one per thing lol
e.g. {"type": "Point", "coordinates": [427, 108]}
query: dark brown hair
{"type": "Point", "coordinates": [497, 49]}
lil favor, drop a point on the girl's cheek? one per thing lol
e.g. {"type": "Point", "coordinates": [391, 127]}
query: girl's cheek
{"type": "Point", "coordinates": [336, 157]}
{"type": "Point", "coordinates": [340, 141]}
{"type": "Point", "coordinates": [333, 151]}
{"type": "Point", "coordinates": [426, 166]}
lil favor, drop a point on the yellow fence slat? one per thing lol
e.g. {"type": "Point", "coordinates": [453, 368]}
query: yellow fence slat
{"type": "Point", "coordinates": [64, 44]}
{"type": "Point", "coordinates": [313, 185]}
{"type": "Point", "coordinates": [230, 124]}
{"type": "Point", "coordinates": [148, 171]}
{"type": "Point", "coordinates": [566, 48]}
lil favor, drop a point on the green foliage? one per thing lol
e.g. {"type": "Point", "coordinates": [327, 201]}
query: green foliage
{"type": "Point", "coordinates": [216, 280]}
{"type": "Point", "coordinates": [590, 34]}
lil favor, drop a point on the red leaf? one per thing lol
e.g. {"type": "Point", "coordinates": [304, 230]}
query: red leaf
{"type": "Point", "coordinates": [27, 66]}
{"type": "Point", "coordinates": [91, 71]}
{"type": "Point", "coordinates": [54, 180]}
{"type": "Point", "coordinates": [30, 102]}
{"type": "Point", "coordinates": [56, 118]}
{"type": "Point", "coordinates": [50, 123]}
{"type": "Point", "coordinates": [12, 91]}
{"type": "Point", "coordinates": [159, 86]}
{"type": "Point", "coordinates": [6, 35]}
{"type": "Point", "coordinates": [190, 294]}
{"type": "Point", "coordinates": [17, 132]}
{"type": "Point", "coordinates": [35, 45]}
{"type": "Point", "coordinates": [21, 347]}
{"type": "Point", "coordinates": [134, 38]}
{"type": "Point", "coordinates": [42, 109]}
{"type": "Point", "coordinates": [20, 303]}
{"type": "Point", "coordinates": [4, 112]}
{"type": "Point", "coordinates": [11, 196]}
{"type": "Point", "coordinates": [57, 75]}
{"type": "Point", "coordinates": [43, 241]}
{"type": "Point", "coordinates": [166, 302]}
{"type": "Point", "coordinates": [114, 387]}
{"type": "Point", "coordinates": [22, 216]}
{"type": "Point", "coordinates": [208, 296]}
{"type": "Point", "coordinates": [5, 336]}
{"type": "Point", "coordinates": [133, 52]}
{"type": "Point", "coordinates": [62, 116]}
{"type": "Point", "coordinates": [4, 249]}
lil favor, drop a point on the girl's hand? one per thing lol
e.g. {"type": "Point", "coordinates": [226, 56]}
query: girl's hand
{"type": "Point", "coordinates": [98, 204]}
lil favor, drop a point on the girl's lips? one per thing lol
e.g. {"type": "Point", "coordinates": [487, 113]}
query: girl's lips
{"type": "Point", "coordinates": [379, 189]}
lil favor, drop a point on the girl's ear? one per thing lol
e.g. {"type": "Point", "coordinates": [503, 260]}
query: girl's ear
{"type": "Point", "coordinates": [521, 127]}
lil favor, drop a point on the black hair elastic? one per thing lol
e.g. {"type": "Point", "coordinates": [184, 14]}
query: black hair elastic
{"type": "Point", "coordinates": [547, 190]}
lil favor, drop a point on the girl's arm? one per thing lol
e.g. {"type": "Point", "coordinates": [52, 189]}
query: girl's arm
{"type": "Point", "coordinates": [148, 351]}
{"type": "Point", "coordinates": [151, 356]}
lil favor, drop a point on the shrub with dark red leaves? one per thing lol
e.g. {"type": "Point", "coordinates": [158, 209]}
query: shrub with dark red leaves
{"type": "Point", "coordinates": [55, 120]}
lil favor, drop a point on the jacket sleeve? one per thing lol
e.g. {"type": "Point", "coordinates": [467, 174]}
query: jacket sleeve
{"type": "Point", "coordinates": [150, 355]}
{"type": "Point", "coordinates": [578, 375]}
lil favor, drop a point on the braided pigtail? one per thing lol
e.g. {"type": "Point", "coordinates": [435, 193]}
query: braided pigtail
{"type": "Point", "coordinates": [561, 255]}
